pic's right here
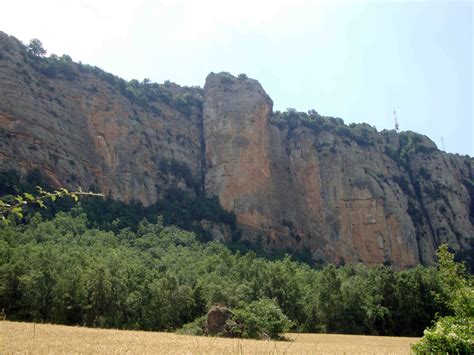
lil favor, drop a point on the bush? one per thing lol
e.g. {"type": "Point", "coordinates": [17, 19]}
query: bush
{"type": "Point", "coordinates": [452, 335]}
{"type": "Point", "coordinates": [403, 183]}
{"type": "Point", "coordinates": [392, 153]}
{"type": "Point", "coordinates": [262, 319]}
{"type": "Point", "coordinates": [196, 327]}
{"type": "Point", "coordinates": [226, 81]}
{"type": "Point", "coordinates": [345, 132]}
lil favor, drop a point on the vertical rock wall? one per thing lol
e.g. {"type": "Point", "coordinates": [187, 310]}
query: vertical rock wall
{"type": "Point", "coordinates": [82, 132]}
{"type": "Point", "coordinates": [340, 199]}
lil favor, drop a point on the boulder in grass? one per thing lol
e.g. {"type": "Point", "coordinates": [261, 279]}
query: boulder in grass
{"type": "Point", "coordinates": [220, 322]}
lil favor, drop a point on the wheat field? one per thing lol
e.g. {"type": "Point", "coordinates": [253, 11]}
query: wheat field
{"type": "Point", "coordinates": [17, 337]}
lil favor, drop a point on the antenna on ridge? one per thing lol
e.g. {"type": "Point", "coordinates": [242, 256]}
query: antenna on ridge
{"type": "Point", "coordinates": [396, 120]}
{"type": "Point", "coordinates": [442, 143]}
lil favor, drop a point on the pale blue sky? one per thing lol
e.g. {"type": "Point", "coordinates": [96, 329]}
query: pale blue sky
{"type": "Point", "coordinates": [353, 59]}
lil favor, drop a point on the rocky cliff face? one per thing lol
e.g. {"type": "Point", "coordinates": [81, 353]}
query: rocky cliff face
{"type": "Point", "coordinates": [345, 194]}
{"type": "Point", "coordinates": [79, 130]}
{"type": "Point", "coordinates": [295, 181]}
{"type": "Point", "coordinates": [238, 148]}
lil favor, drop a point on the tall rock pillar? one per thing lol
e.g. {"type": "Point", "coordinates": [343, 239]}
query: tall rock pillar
{"type": "Point", "coordinates": [236, 114]}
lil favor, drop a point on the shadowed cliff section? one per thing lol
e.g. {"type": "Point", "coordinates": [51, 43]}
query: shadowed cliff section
{"type": "Point", "coordinates": [296, 181]}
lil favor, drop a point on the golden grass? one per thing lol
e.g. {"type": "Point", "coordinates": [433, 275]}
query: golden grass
{"type": "Point", "coordinates": [16, 337]}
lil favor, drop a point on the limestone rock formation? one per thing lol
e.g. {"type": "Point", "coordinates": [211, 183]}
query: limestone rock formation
{"type": "Point", "coordinates": [238, 170]}
{"type": "Point", "coordinates": [301, 182]}
{"type": "Point", "coordinates": [314, 184]}
{"type": "Point", "coordinates": [82, 132]}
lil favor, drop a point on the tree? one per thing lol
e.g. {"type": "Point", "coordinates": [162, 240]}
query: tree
{"type": "Point", "coordinates": [262, 319]}
{"type": "Point", "coordinates": [456, 283]}
{"type": "Point", "coordinates": [330, 307]}
{"type": "Point", "coordinates": [455, 334]}
{"type": "Point", "coordinates": [18, 203]}
{"type": "Point", "coordinates": [35, 48]}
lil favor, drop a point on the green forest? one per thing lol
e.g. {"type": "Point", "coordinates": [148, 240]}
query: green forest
{"type": "Point", "coordinates": [102, 263]}
{"type": "Point", "coordinates": [160, 278]}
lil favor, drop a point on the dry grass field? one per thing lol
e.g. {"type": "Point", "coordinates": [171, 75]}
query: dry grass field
{"type": "Point", "coordinates": [16, 337]}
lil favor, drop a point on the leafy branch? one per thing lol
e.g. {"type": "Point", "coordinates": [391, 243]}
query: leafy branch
{"type": "Point", "coordinates": [457, 284]}
{"type": "Point", "coordinates": [18, 203]}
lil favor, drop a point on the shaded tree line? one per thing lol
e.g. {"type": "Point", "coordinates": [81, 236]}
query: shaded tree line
{"type": "Point", "coordinates": [183, 208]}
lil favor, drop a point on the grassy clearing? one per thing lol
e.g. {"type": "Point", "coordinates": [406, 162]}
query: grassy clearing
{"type": "Point", "coordinates": [18, 337]}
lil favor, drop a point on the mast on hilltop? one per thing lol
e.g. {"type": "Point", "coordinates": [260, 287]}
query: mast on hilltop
{"type": "Point", "coordinates": [396, 120]}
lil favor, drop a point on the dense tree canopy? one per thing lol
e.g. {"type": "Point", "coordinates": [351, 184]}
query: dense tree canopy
{"type": "Point", "coordinates": [160, 278]}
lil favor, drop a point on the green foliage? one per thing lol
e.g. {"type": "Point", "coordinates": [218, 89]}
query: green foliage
{"type": "Point", "coordinates": [187, 102]}
{"type": "Point", "coordinates": [344, 131]}
{"type": "Point", "coordinates": [412, 143]}
{"type": "Point", "coordinates": [329, 302]}
{"type": "Point", "coordinates": [54, 66]}
{"type": "Point", "coordinates": [379, 301]}
{"type": "Point", "coordinates": [425, 173]}
{"type": "Point", "coordinates": [9, 182]}
{"type": "Point", "coordinates": [262, 319]}
{"type": "Point", "coordinates": [358, 133]}
{"type": "Point", "coordinates": [149, 95]}
{"type": "Point", "coordinates": [456, 283]}
{"type": "Point", "coordinates": [196, 327]}
{"type": "Point", "coordinates": [127, 273]}
{"type": "Point", "coordinates": [415, 213]}
{"type": "Point", "coordinates": [15, 205]}
{"type": "Point", "coordinates": [404, 184]}
{"type": "Point", "coordinates": [226, 80]}
{"type": "Point", "coordinates": [455, 334]}
{"type": "Point", "coordinates": [183, 208]}
{"type": "Point", "coordinates": [393, 153]}
{"type": "Point", "coordinates": [450, 335]}
{"type": "Point", "coordinates": [467, 256]}
{"type": "Point", "coordinates": [291, 119]}
{"type": "Point", "coordinates": [35, 48]}
{"type": "Point", "coordinates": [105, 283]}
{"type": "Point", "coordinates": [159, 278]}
{"type": "Point", "coordinates": [145, 94]}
